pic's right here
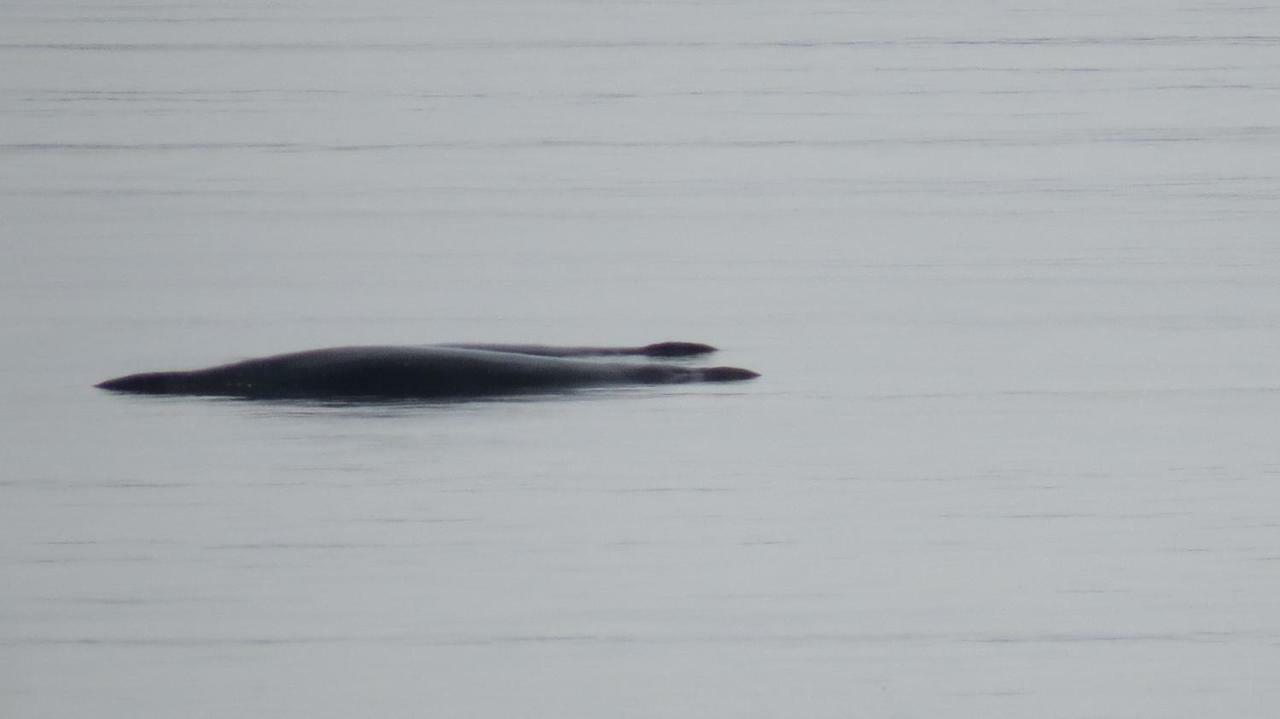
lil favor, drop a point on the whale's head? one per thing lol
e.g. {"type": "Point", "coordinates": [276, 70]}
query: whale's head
{"type": "Point", "coordinates": [727, 374]}
{"type": "Point", "coordinates": [677, 349]}
{"type": "Point", "coordinates": [671, 374]}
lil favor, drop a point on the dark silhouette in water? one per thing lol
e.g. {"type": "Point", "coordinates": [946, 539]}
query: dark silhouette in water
{"type": "Point", "coordinates": [440, 371]}
{"type": "Point", "coordinates": [661, 349]}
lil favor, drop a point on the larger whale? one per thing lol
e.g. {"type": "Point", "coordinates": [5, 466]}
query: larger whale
{"type": "Point", "coordinates": [426, 372]}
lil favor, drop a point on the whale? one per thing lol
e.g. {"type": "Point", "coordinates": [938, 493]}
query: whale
{"type": "Point", "coordinates": [659, 349]}
{"type": "Point", "coordinates": [427, 372]}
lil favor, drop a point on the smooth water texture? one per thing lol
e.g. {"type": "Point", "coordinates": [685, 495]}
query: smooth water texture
{"type": "Point", "coordinates": [1009, 270]}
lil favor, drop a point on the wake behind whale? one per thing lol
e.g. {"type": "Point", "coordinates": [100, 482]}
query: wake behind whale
{"type": "Point", "coordinates": [427, 372]}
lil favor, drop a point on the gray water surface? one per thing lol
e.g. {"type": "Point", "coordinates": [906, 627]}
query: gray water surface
{"type": "Point", "coordinates": [1010, 273]}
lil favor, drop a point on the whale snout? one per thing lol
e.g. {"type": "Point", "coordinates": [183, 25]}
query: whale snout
{"type": "Point", "coordinates": [677, 349]}
{"type": "Point", "coordinates": [727, 374]}
{"type": "Point", "coordinates": [671, 374]}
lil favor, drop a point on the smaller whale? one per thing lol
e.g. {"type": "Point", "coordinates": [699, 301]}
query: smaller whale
{"type": "Point", "coordinates": [660, 349]}
{"type": "Point", "coordinates": [427, 372]}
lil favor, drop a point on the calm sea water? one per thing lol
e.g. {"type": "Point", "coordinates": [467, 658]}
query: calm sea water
{"type": "Point", "coordinates": [1009, 271]}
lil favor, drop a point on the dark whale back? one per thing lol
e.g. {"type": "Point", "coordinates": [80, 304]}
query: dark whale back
{"type": "Point", "coordinates": [659, 349]}
{"type": "Point", "coordinates": [409, 372]}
